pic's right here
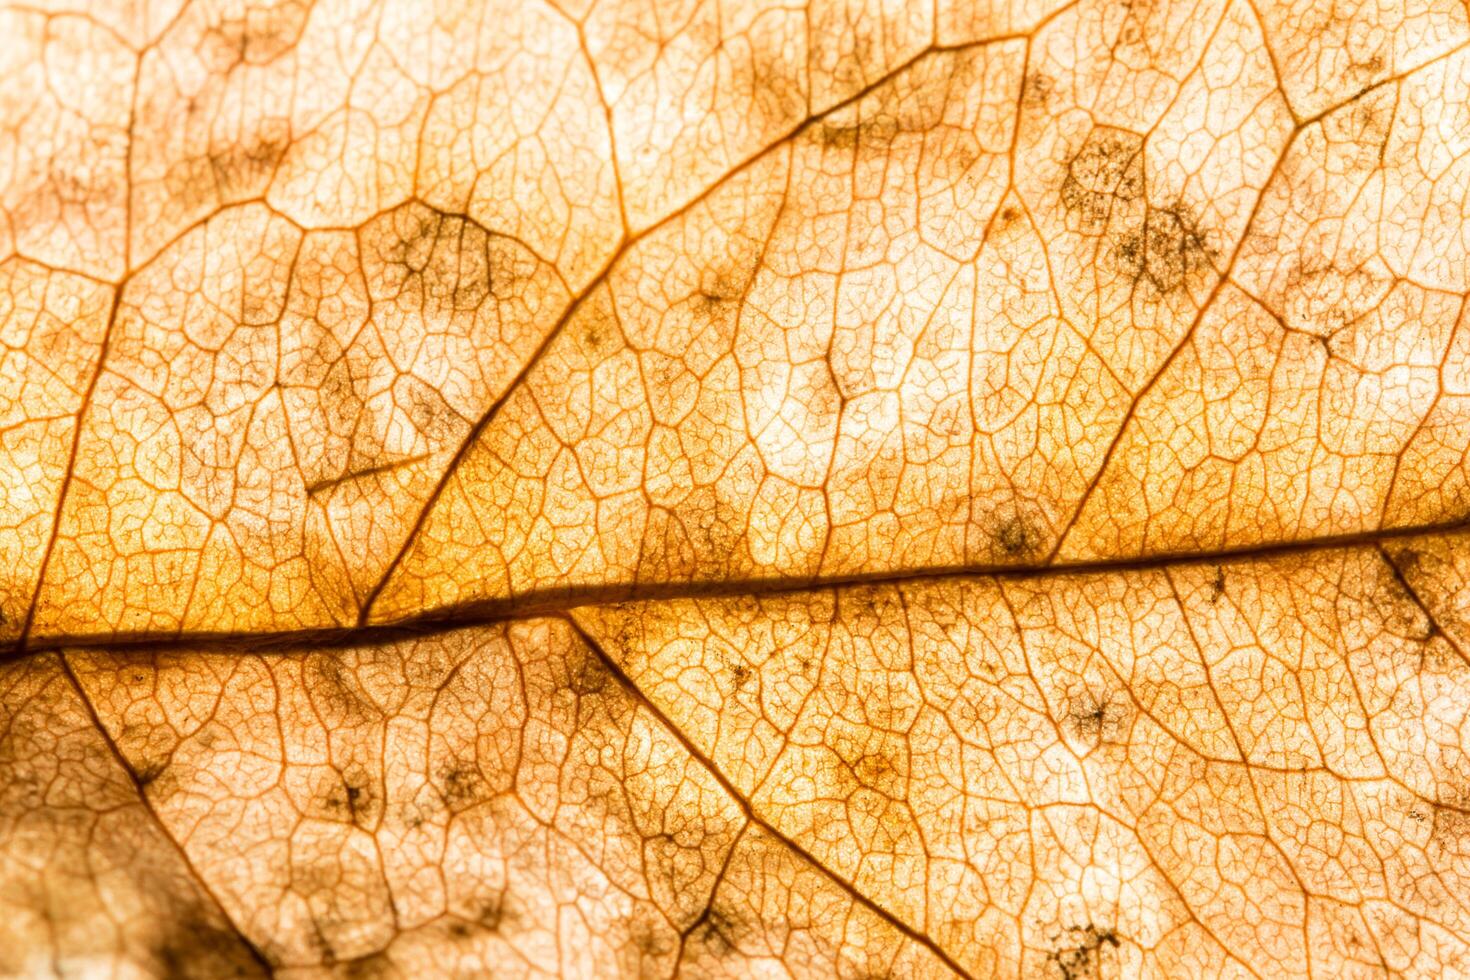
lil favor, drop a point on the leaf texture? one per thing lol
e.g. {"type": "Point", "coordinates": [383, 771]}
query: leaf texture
{"type": "Point", "coordinates": [629, 488]}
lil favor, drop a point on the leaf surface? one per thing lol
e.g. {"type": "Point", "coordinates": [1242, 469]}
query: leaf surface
{"type": "Point", "coordinates": [629, 488]}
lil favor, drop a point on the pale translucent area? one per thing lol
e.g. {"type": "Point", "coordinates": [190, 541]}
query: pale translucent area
{"type": "Point", "coordinates": [483, 801]}
{"type": "Point", "coordinates": [51, 327]}
{"type": "Point", "coordinates": [433, 305]}
{"type": "Point", "coordinates": [90, 886]}
{"type": "Point", "coordinates": [882, 346]}
{"type": "Point", "coordinates": [1195, 770]}
{"type": "Point", "coordinates": [1323, 392]}
{"type": "Point", "coordinates": [64, 117]}
{"type": "Point", "coordinates": [317, 316]}
{"type": "Point", "coordinates": [1331, 50]}
{"type": "Point", "coordinates": [275, 409]}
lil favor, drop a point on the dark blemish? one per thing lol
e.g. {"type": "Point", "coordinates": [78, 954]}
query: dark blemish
{"type": "Point", "coordinates": [196, 947]}
{"type": "Point", "coordinates": [494, 913]}
{"type": "Point", "coordinates": [431, 414]}
{"type": "Point", "coordinates": [715, 534]}
{"type": "Point", "coordinates": [646, 940]}
{"type": "Point", "coordinates": [710, 301]}
{"type": "Point", "coordinates": [258, 39]}
{"type": "Point", "coordinates": [1168, 250]}
{"type": "Point", "coordinates": [1082, 959]}
{"type": "Point", "coordinates": [326, 682]}
{"type": "Point", "coordinates": [721, 928]}
{"type": "Point", "coordinates": [322, 943]}
{"type": "Point", "coordinates": [1106, 171]}
{"type": "Point", "coordinates": [352, 797]}
{"type": "Point", "coordinates": [236, 169]}
{"type": "Point", "coordinates": [1217, 584]}
{"type": "Point", "coordinates": [1371, 66]}
{"type": "Point", "coordinates": [877, 770]}
{"type": "Point", "coordinates": [1091, 718]}
{"type": "Point", "coordinates": [722, 289]}
{"type": "Point", "coordinates": [1371, 123]}
{"type": "Point", "coordinates": [1016, 539]}
{"type": "Point", "coordinates": [1133, 31]}
{"type": "Point", "coordinates": [1450, 820]}
{"type": "Point", "coordinates": [863, 602]}
{"type": "Point", "coordinates": [1037, 90]}
{"type": "Point", "coordinates": [877, 130]}
{"type": "Point", "coordinates": [369, 967]}
{"type": "Point", "coordinates": [433, 263]}
{"type": "Point", "coordinates": [1409, 616]}
{"type": "Point", "coordinates": [411, 243]}
{"type": "Point", "coordinates": [740, 672]}
{"type": "Point", "coordinates": [587, 677]}
{"type": "Point", "coordinates": [598, 328]}
{"type": "Point", "coordinates": [149, 771]}
{"type": "Point", "coordinates": [461, 784]}
{"type": "Point", "coordinates": [1407, 560]}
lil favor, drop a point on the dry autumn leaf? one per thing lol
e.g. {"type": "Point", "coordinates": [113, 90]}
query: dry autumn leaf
{"type": "Point", "coordinates": [675, 488]}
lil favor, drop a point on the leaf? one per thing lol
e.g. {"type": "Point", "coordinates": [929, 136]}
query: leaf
{"type": "Point", "coordinates": [627, 489]}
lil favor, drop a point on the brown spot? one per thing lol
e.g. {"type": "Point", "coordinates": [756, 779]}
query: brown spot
{"type": "Point", "coordinates": [195, 946]}
{"type": "Point", "coordinates": [846, 130]}
{"type": "Point", "coordinates": [461, 784]}
{"type": "Point", "coordinates": [1167, 250]}
{"type": "Point", "coordinates": [1082, 956]}
{"type": "Point", "coordinates": [341, 704]}
{"type": "Point", "coordinates": [494, 913]}
{"type": "Point", "coordinates": [740, 672]}
{"type": "Point", "coordinates": [410, 239]}
{"type": "Point", "coordinates": [431, 261]}
{"type": "Point", "coordinates": [1036, 91]}
{"type": "Point", "coordinates": [1217, 584]}
{"type": "Point", "coordinates": [709, 301]}
{"type": "Point", "coordinates": [262, 34]}
{"type": "Point", "coordinates": [430, 413]}
{"type": "Point", "coordinates": [882, 770]}
{"type": "Point", "coordinates": [587, 676]}
{"type": "Point", "coordinates": [241, 170]}
{"type": "Point", "coordinates": [491, 914]}
{"type": "Point", "coordinates": [722, 929]}
{"type": "Point", "coordinates": [649, 940]}
{"type": "Point", "coordinates": [369, 967]}
{"type": "Point", "coordinates": [1369, 66]}
{"type": "Point", "coordinates": [1106, 172]}
{"type": "Point", "coordinates": [351, 796]}
{"type": "Point", "coordinates": [1094, 718]}
{"type": "Point", "coordinates": [1015, 539]}
{"type": "Point", "coordinates": [150, 770]}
